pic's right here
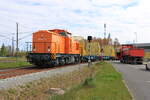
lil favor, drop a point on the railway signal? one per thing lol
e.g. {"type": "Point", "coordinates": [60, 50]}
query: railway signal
{"type": "Point", "coordinates": [89, 38]}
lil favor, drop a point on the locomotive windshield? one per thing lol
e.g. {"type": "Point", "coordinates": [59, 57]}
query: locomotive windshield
{"type": "Point", "coordinates": [65, 34]}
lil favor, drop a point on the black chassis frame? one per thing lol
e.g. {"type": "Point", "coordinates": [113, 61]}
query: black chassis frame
{"type": "Point", "coordinates": [52, 59]}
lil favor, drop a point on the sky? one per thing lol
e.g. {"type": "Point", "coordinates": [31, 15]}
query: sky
{"type": "Point", "coordinates": [125, 19]}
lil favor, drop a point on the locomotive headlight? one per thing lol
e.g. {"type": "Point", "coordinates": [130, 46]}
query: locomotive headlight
{"type": "Point", "coordinates": [34, 49]}
{"type": "Point", "coordinates": [48, 48]}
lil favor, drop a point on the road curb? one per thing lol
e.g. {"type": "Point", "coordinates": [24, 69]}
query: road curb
{"type": "Point", "coordinates": [125, 83]}
{"type": "Point", "coordinates": [128, 89]}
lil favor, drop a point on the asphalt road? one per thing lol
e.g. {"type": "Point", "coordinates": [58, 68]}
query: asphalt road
{"type": "Point", "coordinates": [137, 79]}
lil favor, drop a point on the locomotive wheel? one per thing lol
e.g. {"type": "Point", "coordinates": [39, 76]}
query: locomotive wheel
{"type": "Point", "coordinates": [38, 64]}
{"type": "Point", "coordinates": [56, 63]}
{"type": "Point", "coordinates": [62, 61]}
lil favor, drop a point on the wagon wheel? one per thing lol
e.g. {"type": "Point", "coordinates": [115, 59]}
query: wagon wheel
{"type": "Point", "coordinates": [135, 61]}
{"type": "Point", "coordinates": [146, 67]}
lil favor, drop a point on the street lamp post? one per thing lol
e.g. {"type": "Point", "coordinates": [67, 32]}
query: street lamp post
{"type": "Point", "coordinates": [135, 36]}
{"type": "Point", "coordinates": [135, 41]}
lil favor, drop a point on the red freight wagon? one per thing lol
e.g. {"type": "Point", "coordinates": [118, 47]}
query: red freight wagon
{"type": "Point", "coordinates": [137, 52]}
{"type": "Point", "coordinates": [130, 54]}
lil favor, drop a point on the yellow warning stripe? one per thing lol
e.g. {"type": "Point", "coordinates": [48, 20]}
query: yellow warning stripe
{"type": "Point", "coordinates": [53, 56]}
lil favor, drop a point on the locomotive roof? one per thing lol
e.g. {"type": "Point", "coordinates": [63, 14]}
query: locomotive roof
{"type": "Point", "coordinates": [57, 31]}
{"type": "Point", "coordinates": [60, 31]}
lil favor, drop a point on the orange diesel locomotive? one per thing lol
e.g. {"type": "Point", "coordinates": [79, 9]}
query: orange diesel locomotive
{"type": "Point", "coordinates": [53, 47]}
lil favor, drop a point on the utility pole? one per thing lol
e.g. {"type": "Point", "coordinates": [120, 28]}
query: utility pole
{"type": "Point", "coordinates": [17, 49]}
{"type": "Point", "coordinates": [135, 41]}
{"type": "Point", "coordinates": [104, 30]}
{"type": "Point", "coordinates": [12, 46]}
{"type": "Point", "coordinates": [135, 36]}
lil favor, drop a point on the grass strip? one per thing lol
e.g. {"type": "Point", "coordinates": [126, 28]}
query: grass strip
{"type": "Point", "coordinates": [40, 89]}
{"type": "Point", "coordinates": [99, 82]}
{"type": "Point", "coordinates": [12, 62]}
{"type": "Point", "coordinates": [107, 84]}
{"type": "Point", "coordinates": [18, 64]}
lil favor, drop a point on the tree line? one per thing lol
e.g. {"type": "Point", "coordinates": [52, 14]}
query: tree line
{"type": "Point", "coordinates": [7, 51]}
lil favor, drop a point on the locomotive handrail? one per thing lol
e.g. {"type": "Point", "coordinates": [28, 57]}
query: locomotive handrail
{"type": "Point", "coordinates": [30, 46]}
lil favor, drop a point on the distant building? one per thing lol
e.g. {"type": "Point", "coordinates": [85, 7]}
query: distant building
{"type": "Point", "coordinates": [146, 46]}
{"type": "Point", "coordinates": [78, 38]}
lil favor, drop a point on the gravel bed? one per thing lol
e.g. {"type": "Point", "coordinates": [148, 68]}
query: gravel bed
{"type": "Point", "coordinates": [23, 79]}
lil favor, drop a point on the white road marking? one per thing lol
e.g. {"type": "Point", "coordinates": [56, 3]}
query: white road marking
{"type": "Point", "coordinates": [147, 81]}
{"type": "Point", "coordinates": [137, 66]}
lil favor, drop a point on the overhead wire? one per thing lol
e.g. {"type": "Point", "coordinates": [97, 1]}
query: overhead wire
{"type": "Point", "coordinates": [5, 41]}
{"type": "Point", "coordinates": [5, 37]}
{"type": "Point", "coordinates": [26, 32]}
{"type": "Point", "coordinates": [25, 37]}
{"type": "Point", "coordinates": [32, 28]}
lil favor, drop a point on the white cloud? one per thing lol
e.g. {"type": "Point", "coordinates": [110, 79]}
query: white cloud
{"type": "Point", "coordinates": [81, 17]}
{"type": "Point", "coordinates": [112, 2]}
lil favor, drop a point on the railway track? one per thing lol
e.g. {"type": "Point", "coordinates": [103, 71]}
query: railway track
{"type": "Point", "coordinates": [8, 73]}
